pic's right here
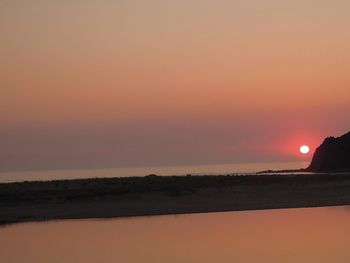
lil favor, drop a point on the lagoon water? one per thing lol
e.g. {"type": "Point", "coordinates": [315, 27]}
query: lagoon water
{"type": "Point", "coordinates": [287, 235]}
{"type": "Point", "coordinates": [142, 171]}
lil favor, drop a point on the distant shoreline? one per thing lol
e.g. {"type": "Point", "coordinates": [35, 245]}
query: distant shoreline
{"type": "Point", "coordinates": [210, 169]}
{"type": "Point", "coordinates": [161, 195]}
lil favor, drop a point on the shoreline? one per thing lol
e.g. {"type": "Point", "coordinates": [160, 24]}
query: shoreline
{"type": "Point", "coordinates": [158, 195]}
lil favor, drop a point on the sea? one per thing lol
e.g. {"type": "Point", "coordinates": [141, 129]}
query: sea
{"type": "Point", "coordinates": [215, 169]}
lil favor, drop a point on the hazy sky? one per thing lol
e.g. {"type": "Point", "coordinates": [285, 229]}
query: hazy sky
{"type": "Point", "coordinates": [135, 83]}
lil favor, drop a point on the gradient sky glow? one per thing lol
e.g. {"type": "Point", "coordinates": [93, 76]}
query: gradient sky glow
{"type": "Point", "coordinates": [90, 84]}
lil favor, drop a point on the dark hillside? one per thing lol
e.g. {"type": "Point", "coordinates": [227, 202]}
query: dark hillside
{"type": "Point", "coordinates": [332, 155]}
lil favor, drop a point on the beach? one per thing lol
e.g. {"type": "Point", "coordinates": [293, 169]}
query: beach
{"type": "Point", "coordinates": [158, 195]}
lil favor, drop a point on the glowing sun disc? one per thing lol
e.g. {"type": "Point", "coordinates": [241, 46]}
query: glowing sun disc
{"type": "Point", "coordinates": [304, 149]}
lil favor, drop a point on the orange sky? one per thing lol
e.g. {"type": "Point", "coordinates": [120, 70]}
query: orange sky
{"type": "Point", "coordinates": [249, 78]}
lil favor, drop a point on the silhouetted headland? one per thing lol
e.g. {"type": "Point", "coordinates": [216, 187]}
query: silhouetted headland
{"type": "Point", "coordinates": [332, 155]}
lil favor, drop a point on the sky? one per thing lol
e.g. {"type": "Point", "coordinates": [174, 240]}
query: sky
{"type": "Point", "coordinates": [128, 83]}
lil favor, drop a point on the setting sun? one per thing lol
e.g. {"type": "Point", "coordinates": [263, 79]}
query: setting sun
{"type": "Point", "coordinates": [304, 149]}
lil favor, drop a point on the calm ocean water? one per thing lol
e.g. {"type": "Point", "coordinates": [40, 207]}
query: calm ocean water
{"type": "Point", "coordinates": [311, 235]}
{"type": "Point", "coordinates": [142, 171]}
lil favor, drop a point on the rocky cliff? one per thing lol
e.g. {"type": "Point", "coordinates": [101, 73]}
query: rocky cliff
{"type": "Point", "coordinates": [332, 155]}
